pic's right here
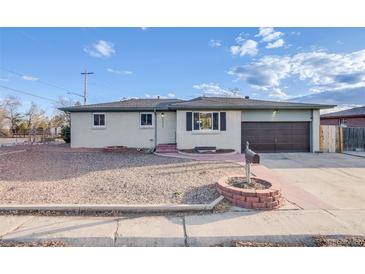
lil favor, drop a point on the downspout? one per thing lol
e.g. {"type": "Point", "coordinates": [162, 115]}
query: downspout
{"type": "Point", "coordinates": [155, 113]}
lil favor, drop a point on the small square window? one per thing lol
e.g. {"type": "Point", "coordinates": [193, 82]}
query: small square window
{"type": "Point", "coordinates": [99, 120]}
{"type": "Point", "coordinates": [146, 119]}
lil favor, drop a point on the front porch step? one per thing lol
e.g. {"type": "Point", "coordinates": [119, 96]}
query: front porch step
{"type": "Point", "coordinates": [166, 148]}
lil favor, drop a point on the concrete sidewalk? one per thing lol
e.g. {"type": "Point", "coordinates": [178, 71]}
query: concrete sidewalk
{"type": "Point", "coordinates": [193, 230]}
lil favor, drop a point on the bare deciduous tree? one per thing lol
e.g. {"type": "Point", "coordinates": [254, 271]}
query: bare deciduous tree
{"type": "Point", "coordinates": [61, 115]}
{"type": "Point", "coordinates": [10, 106]}
{"type": "Point", "coordinates": [35, 117]}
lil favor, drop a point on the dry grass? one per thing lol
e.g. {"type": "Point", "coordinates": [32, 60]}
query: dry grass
{"type": "Point", "coordinates": [58, 174]}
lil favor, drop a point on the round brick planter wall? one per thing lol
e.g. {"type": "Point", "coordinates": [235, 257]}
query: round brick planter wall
{"type": "Point", "coordinates": [266, 199]}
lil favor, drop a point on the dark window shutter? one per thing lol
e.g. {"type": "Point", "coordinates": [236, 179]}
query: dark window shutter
{"type": "Point", "coordinates": [223, 121]}
{"type": "Point", "coordinates": [196, 120]}
{"type": "Point", "coordinates": [188, 121]}
{"type": "Point", "coordinates": [215, 121]}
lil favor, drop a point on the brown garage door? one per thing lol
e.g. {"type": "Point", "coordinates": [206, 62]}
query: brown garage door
{"type": "Point", "coordinates": [276, 136]}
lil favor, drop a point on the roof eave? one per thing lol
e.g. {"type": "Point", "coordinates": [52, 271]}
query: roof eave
{"type": "Point", "coordinates": [343, 116]}
{"type": "Point", "coordinates": [113, 109]}
{"type": "Point", "coordinates": [249, 107]}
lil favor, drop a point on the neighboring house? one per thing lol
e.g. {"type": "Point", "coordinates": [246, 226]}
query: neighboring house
{"type": "Point", "coordinates": [354, 117]}
{"type": "Point", "coordinates": [222, 122]}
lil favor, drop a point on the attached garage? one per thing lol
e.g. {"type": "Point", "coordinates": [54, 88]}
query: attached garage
{"type": "Point", "coordinates": [276, 136]}
{"type": "Point", "coordinates": [283, 130]}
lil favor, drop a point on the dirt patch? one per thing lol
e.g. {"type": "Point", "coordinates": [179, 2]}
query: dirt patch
{"type": "Point", "coordinates": [333, 242]}
{"type": "Point", "coordinates": [315, 241]}
{"type": "Point", "coordinates": [241, 182]}
{"type": "Point", "coordinates": [259, 244]}
{"type": "Point", "coordinates": [31, 244]}
{"type": "Point", "coordinates": [57, 174]}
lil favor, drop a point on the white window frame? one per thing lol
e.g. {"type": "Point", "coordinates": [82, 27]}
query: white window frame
{"type": "Point", "coordinates": [93, 119]}
{"type": "Point", "coordinates": [140, 120]}
{"type": "Point", "coordinates": [206, 130]}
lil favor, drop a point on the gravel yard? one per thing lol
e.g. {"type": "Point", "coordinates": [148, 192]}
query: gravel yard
{"type": "Point", "coordinates": [57, 174]}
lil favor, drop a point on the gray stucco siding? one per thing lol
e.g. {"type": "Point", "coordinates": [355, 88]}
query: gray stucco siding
{"type": "Point", "coordinates": [121, 129]}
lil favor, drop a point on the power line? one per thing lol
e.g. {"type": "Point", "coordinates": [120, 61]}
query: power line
{"type": "Point", "coordinates": [38, 80]}
{"type": "Point", "coordinates": [28, 93]}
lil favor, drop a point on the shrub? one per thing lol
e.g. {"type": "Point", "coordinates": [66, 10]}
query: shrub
{"type": "Point", "coordinates": [66, 134]}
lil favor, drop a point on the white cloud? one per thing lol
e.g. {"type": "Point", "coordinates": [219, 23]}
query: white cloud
{"type": "Point", "coordinates": [121, 72]}
{"type": "Point", "coordinates": [271, 37]}
{"type": "Point", "coordinates": [171, 95]}
{"type": "Point", "coordinates": [265, 73]}
{"type": "Point", "coordinates": [100, 49]}
{"type": "Point", "coordinates": [144, 28]}
{"type": "Point", "coordinates": [215, 43]}
{"type": "Point", "coordinates": [278, 93]}
{"type": "Point", "coordinates": [277, 44]}
{"type": "Point", "coordinates": [241, 37]}
{"type": "Point", "coordinates": [29, 78]}
{"type": "Point", "coordinates": [248, 47]}
{"type": "Point", "coordinates": [4, 79]}
{"type": "Point", "coordinates": [269, 34]}
{"type": "Point", "coordinates": [212, 89]}
{"type": "Point", "coordinates": [322, 70]}
{"type": "Point", "coordinates": [147, 95]}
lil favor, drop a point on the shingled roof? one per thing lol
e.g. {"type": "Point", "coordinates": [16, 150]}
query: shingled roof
{"type": "Point", "coordinates": [126, 105]}
{"type": "Point", "coordinates": [353, 112]}
{"type": "Point", "coordinates": [241, 103]}
{"type": "Point", "coordinates": [210, 103]}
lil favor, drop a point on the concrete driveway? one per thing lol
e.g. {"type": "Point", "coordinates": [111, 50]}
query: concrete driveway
{"type": "Point", "coordinates": [331, 180]}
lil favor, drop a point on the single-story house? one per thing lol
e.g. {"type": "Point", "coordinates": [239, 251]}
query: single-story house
{"type": "Point", "coordinates": [221, 122]}
{"type": "Point", "coordinates": [354, 117]}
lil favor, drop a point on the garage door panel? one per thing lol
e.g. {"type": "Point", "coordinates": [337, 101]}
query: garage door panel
{"type": "Point", "coordinates": [276, 136]}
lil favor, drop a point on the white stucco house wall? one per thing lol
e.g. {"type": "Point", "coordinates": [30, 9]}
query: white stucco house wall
{"type": "Point", "coordinates": [220, 122]}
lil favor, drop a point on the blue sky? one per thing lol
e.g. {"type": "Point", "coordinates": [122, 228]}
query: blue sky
{"type": "Point", "coordinates": [264, 63]}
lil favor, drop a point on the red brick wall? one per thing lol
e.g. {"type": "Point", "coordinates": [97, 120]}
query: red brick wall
{"type": "Point", "coordinates": [350, 122]}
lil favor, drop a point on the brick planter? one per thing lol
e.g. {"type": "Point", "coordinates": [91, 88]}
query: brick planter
{"type": "Point", "coordinates": [265, 199]}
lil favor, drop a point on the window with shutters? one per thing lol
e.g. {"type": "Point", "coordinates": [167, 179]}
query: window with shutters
{"type": "Point", "coordinates": [205, 121]}
{"type": "Point", "coordinates": [98, 120]}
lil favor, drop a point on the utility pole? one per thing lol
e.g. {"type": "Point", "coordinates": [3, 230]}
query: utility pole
{"type": "Point", "coordinates": [85, 73]}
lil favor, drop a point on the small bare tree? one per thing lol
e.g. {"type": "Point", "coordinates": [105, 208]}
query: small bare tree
{"type": "Point", "coordinates": [36, 119]}
{"type": "Point", "coordinates": [10, 106]}
{"type": "Point", "coordinates": [63, 118]}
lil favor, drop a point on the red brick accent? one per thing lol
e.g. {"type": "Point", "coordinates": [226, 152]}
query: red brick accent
{"type": "Point", "coordinates": [261, 193]}
{"type": "Point", "coordinates": [266, 199]}
{"type": "Point", "coordinates": [273, 204]}
{"type": "Point", "coordinates": [250, 198]}
{"type": "Point", "coordinates": [243, 204]}
{"type": "Point", "coordinates": [253, 199]}
{"type": "Point", "coordinates": [259, 205]}
{"type": "Point", "coordinates": [239, 198]}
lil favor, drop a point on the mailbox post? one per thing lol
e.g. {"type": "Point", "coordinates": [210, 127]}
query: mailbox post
{"type": "Point", "coordinates": [251, 158]}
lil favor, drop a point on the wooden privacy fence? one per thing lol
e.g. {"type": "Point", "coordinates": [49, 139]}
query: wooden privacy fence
{"type": "Point", "coordinates": [338, 139]}
{"type": "Point", "coordinates": [353, 139]}
{"type": "Point", "coordinates": [330, 139]}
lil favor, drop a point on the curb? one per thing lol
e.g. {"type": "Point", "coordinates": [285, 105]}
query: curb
{"type": "Point", "coordinates": [137, 208]}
